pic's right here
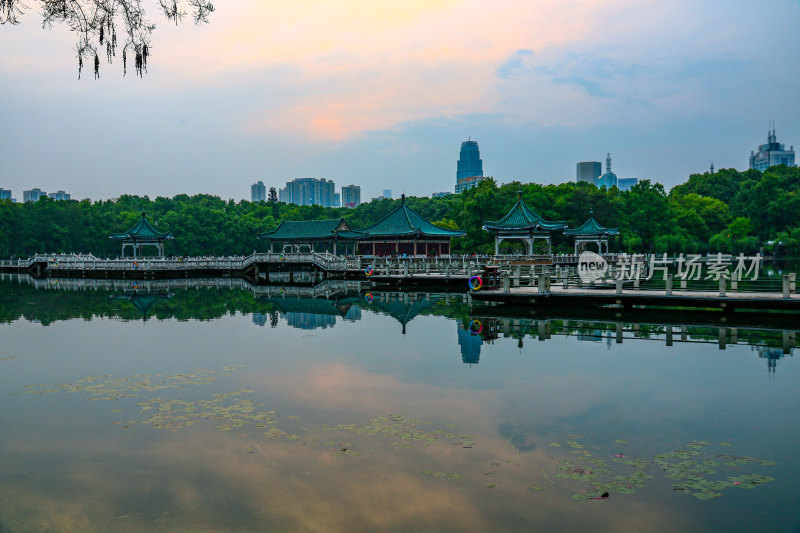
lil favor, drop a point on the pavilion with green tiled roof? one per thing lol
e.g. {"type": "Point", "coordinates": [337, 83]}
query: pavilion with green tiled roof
{"type": "Point", "coordinates": [521, 223]}
{"type": "Point", "coordinates": [142, 234]}
{"type": "Point", "coordinates": [333, 235]}
{"type": "Point", "coordinates": [591, 231]}
{"type": "Point", "coordinates": [404, 232]}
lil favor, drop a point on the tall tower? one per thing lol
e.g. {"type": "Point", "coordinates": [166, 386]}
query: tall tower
{"type": "Point", "coordinates": [469, 165]}
{"type": "Point", "coordinates": [609, 179]}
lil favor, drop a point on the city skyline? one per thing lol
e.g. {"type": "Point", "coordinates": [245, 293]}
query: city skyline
{"type": "Point", "coordinates": [237, 100]}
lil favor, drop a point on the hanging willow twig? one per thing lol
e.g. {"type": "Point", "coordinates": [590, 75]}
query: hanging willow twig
{"type": "Point", "coordinates": [95, 23]}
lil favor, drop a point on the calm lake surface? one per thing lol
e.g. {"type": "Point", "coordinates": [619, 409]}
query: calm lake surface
{"type": "Point", "coordinates": [134, 408]}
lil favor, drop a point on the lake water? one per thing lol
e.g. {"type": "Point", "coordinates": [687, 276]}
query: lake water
{"type": "Point", "coordinates": [190, 408]}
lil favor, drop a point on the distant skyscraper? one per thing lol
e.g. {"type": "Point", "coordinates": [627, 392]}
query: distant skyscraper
{"type": "Point", "coordinates": [308, 191]}
{"type": "Point", "coordinates": [258, 192]}
{"type": "Point", "coordinates": [387, 193]}
{"type": "Point", "coordinates": [59, 195]}
{"type": "Point", "coordinates": [33, 195]}
{"type": "Point", "coordinates": [5, 194]}
{"type": "Point", "coordinates": [772, 153]}
{"type": "Point", "coordinates": [469, 165]}
{"type": "Point", "coordinates": [588, 171]}
{"type": "Point", "coordinates": [337, 198]}
{"type": "Point", "coordinates": [351, 195]}
{"type": "Point", "coordinates": [609, 179]}
{"type": "Point", "coordinates": [625, 184]}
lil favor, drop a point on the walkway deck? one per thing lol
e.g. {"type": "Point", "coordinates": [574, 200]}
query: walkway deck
{"type": "Point", "coordinates": [575, 296]}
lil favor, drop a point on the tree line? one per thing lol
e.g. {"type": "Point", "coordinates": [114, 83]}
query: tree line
{"type": "Point", "coordinates": [727, 211]}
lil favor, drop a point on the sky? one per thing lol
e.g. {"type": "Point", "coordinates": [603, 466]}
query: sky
{"type": "Point", "coordinates": [382, 94]}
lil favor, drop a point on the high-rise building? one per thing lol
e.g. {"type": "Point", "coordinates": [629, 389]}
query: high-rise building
{"type": "Point", "coordinates": [609, 179]}
{"type": "Point", "coordinates": [387, 193]}
{"type": "Point", "coordinates": [33, 195]}
{"type": "Point", "coordinates": [337, 199]}
{"type": "Point", "coordinates": [469, 166]}
{"type": "Point", "coordinates": [5, 194]}
{"type": "Point", "coordinates": [588, 171]}
{"type": "Point", "coordinates": [772, 153]}
{"type": "Point", "coordinates": [308, 191]}
{"type": "Point", "coordinates": [59, 195]}
{"type": "Point", "coordinates": [351, 195]}
{"type": "Point", "coordinates": [258, 192]}
{"type": "Point", "coordinates": [625, 184]}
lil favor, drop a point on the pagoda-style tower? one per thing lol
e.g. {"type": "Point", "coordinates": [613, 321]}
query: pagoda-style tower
{"type": "Point", "coordinates": [523, 224]}
{"type": "Point", "coordinates": [142, 234]}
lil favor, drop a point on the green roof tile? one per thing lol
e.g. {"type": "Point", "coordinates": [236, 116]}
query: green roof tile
{"type": "Point", "coordinates": [591, 227]}
{"type": "Point", "coordinates": [404, 221]}
{"type": "Point", "coordinates": [142, 231]}
{"type": "Point", "coordinates": [522, 218]}
{"type": "Point", "coordinates": [311, 229]}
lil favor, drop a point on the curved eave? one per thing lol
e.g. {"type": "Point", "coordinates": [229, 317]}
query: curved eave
{"type": "Point", "coordinates": [128, 237]}
{"type": "Point", "coordinates": [607, 233]}
{"type": "Point", "coordinates": [417, 234]}
{"type": "Point", "coordinates": [269, 236]}
{"type": "Point", "coordinates": [538, 227]}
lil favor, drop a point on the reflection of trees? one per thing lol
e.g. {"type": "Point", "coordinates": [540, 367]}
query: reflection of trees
{"type": "Point", "coordinates": [52, 305]}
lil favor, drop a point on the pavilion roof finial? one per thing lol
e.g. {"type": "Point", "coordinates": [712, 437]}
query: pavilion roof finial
{"type": "Point", "coordinates": [519, 195]}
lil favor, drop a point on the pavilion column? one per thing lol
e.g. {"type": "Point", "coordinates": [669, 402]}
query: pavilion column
{"type": "Point", "coordinates": [496, 245]}
{"type": "Point", "coordinates": [549, 246]}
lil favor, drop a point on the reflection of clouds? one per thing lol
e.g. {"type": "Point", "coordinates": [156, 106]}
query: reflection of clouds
{"type": "Point", "coordinates": [354, 389]}
{"type": "Point", "coordinates": [200, 479]}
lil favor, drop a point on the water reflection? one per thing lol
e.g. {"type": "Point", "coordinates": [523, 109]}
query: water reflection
{"type": "Point", "coordinates": [505, 422]}
{"type": "Point", "coordinates": [323, 305]}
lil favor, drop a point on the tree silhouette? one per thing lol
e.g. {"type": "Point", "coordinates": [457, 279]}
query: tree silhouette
{"type": "Point", "coordinates": [95, 22]}
{"type": "Point", "coordinates": [273, 195]}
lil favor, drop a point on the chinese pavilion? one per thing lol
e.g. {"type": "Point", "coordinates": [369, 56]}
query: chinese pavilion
{"type": "Point", "coordinates": [404, 232]}
{"type": "Point", "coordinates": [142, 234]}
{"type": "Point", "coordinates": [591, 231]}
{"type": "Point", "coordinates": [333, 235]}
{"type": "Point", "coordinates": [522, 224]}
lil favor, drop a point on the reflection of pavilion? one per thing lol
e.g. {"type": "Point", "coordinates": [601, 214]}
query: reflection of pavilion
{"type": "Point", "coordinates": [402, 306]}
{"type": "Point", "coordinates": [142, 302]}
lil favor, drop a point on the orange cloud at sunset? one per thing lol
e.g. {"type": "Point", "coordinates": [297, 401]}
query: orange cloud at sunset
{"type": "Point", "coordinates": [357, 67]}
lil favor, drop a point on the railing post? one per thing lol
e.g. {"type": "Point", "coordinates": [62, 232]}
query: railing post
{"type": "Point", "coordinates": [619, 286]}
{"type": "Point", "coordinates": [787, 285]}
{"type": "Point", "coordinates": [723, 285]}
{"type": "Point", "coordinates": [793, 282]}
{"type": "Point", "coordinates": [669, 285]}
{"type": "Point", "coordinates": [505, 282]}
